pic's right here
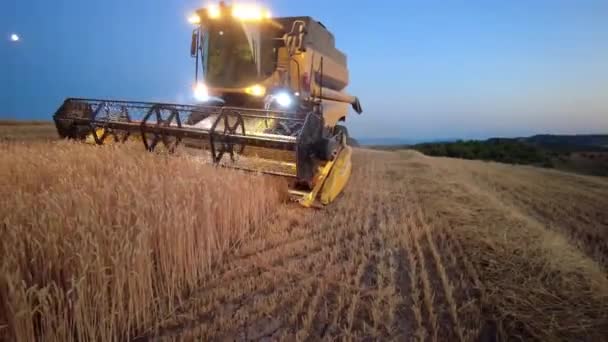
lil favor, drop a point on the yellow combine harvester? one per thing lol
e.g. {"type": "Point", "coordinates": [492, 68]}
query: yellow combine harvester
{"type": "Point", "coordinates": [269, 95]}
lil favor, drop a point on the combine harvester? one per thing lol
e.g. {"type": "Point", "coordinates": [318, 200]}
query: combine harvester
{"type": "Point", "coordinates": [270, 95]}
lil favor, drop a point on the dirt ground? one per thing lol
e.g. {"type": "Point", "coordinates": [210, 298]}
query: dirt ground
{"type": "Point", "coordinates": [418, 248]}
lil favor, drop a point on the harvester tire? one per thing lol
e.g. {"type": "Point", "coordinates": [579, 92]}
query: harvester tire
{"type": "Point", "coordinates": [66, 127]}
{"type": "Point", "coordinates": [342, 132]}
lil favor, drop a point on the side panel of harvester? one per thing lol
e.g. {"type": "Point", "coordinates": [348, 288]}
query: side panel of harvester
{"type": "Point", "coordinates": [322, 70]}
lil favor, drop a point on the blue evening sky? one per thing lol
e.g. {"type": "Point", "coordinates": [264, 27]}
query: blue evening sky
{"type": "Point", "coordinates": [423, 69]}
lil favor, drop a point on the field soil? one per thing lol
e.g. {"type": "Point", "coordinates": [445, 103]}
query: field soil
{"type": "Point", "coordinates": [417, 248]}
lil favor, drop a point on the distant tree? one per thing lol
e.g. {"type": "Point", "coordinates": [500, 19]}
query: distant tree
{"type": "Point", "coordinates": [501, 150]}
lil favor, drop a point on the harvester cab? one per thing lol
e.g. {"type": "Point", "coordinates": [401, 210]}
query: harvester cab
{"type": "Point", "coordinates": [269, 96]}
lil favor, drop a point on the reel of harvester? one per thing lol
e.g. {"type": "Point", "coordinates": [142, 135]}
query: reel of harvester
{"type": "Point", "coordinates": [316, 158]}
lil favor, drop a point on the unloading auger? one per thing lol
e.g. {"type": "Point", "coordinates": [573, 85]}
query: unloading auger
{"type": "Point", "coordinates": [270, 95]}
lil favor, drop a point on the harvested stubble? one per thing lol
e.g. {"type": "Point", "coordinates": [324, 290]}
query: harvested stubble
{"type": "Point", "coordinates": [98, 242]}
{"type": "Point", "coordinates": [417, 248]}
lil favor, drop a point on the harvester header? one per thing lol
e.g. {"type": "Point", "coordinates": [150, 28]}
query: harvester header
{"type": "Point", "coordinates": [268, 96]}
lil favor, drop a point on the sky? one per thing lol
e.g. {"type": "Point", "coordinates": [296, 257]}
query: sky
{"type": "Point", "coordinates": [425, 69]}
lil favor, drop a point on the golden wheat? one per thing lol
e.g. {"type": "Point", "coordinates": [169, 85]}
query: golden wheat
{"type": "Point", "coordinates": [97, 243]}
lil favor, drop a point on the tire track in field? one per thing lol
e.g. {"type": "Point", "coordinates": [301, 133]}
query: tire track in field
{"type": "Point", "coordinates": [367, 267]}
{"type": "Point", "coordinates": [257, 285]}
{"type": "Point", "coordinates": [384, 262]}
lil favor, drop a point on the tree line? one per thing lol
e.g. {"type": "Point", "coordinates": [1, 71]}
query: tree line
{"type": "Point", "coordinates": [500, 150]}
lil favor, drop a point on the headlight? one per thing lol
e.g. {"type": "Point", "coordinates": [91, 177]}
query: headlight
{"type": "Point", "coordinates": [201, 92]}
{"type": "Point", "coordinates": [256, 90]}
{"type": "Point", "coordinates": [194, 19]}
{"type": "Point", "coordinates": [249, 12]}
{"type": "Point", "coordinates": [214, 12]}
{"type": "Point", "coordinates": [283, 99]}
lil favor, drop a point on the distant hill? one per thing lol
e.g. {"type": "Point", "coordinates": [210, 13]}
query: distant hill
{"type": "Point", "coordinates": [386, 141]}
{"type": "Point", "coordinates": [395, 142]}
{"type": "Point", "coordinates": [587, 154]}
{"type": "Point", "coordinates": [510, 151]}
{"type": "Point", "coordinates": [570, 142]}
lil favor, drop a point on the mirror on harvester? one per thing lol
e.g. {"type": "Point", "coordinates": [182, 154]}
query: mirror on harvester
{"type": "Point", "coordinates": [194, 43]}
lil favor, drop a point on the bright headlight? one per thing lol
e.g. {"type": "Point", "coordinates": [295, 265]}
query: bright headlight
{"type": "Point", "coordinates": [249, 12]}
{"type": "Point", "coordinates": [284, 99]}
{"type": "Point", "coordinates": [256, 90]}
{"type": "Point", "coordinates": [201, 92]}
{"type": "Point", "coordinates": [214, 12]}
{"type": "Point", "coordinates": [194, 19]}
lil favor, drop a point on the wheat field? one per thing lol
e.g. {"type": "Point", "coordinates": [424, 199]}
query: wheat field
{"type": "Point", "coordinates": [115, 244]}
{"type": "Point", "coordinates": [99, 243]}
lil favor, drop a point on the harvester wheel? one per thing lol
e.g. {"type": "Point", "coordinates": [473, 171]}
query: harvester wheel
{"type": "Point", "coordinates": [65, 125]}
{"type": "Point", "coordinates": [342, 132]}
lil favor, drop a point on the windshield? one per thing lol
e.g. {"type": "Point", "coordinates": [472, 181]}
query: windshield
{"type": "Point", "coordinates": [236, 54]}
